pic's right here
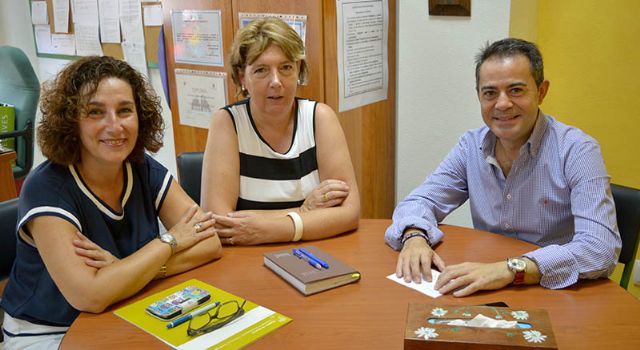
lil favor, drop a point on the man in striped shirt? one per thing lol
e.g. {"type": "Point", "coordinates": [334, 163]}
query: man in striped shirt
{"type": "Point", "coordinates": [527, 176]}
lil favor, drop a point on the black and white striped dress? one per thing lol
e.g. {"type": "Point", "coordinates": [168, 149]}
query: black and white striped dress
{"type": "Point", "coordinates": [269, 179]}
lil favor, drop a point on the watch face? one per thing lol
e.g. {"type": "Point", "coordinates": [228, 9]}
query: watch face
{"type": "Point", "coordinates": [517, 264]}
{"type": "Point", "coordinates": [167, 238]}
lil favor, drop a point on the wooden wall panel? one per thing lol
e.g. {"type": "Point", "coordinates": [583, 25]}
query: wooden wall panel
{"type": "Point", "coordinates": [371, 129]}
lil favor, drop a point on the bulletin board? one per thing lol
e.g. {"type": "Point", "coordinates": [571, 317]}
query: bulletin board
{"type": "Point", "coordinates": [110, 49]}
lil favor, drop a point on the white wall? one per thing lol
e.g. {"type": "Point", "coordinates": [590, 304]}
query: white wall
{"type": "Point", "coordinates": [16, 30]}
{"type": "Point", "coordinates": [436, 85]}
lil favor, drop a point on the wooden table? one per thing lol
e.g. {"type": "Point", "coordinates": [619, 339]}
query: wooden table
{"type": "Point", "coordinates": [371, 313]}
{"type": "Point", "coordinates": [7, 183]}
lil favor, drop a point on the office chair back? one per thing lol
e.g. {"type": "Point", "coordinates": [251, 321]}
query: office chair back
{"type": "Point", "coordinates": [190, 173]}
{"type": "Point", "coordinates": [19, 86]}
{"type": "Point", "coordinates": [627, 201]}
{"type": "Point", "coordinates": [8, 220]}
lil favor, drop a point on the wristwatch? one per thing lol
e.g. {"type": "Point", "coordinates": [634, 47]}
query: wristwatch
{"type": "Point", "coordinates": [170, 240]}
{"type": "Point", "coordinates": [518, 265]}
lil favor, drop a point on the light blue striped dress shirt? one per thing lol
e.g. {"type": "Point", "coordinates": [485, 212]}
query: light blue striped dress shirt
{"type": "Point", "coordinates": [557, 196]}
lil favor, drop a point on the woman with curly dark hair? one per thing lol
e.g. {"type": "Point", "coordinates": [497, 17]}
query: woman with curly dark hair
{"type": "Point", "coordinates": [88, 216]}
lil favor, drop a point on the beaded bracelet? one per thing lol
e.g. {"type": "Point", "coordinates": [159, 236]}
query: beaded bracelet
{"type": "Point", "coordinates": [416, 234]}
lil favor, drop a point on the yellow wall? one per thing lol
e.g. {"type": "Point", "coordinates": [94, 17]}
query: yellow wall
{"type": "Point", "coordinates": [591, 52]}
{"type": "Point", "coordinates": [523, 23]}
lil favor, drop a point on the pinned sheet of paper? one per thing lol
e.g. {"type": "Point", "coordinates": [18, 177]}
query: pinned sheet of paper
{"type": "Point", "coordinates": [423, 287]}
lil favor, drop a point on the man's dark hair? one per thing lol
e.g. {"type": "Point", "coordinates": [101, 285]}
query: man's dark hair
{"type": "Point", "coordinates": [512, 47]}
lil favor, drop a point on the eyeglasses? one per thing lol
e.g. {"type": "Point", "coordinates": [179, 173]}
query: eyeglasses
{"type": "Point", "coordinates": [222, 315]}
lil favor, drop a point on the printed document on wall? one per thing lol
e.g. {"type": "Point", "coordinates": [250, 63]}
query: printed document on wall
{"type": "Point", "coordinates": [85, 12]}
{"type": "Point", "coordinates": [197, 37]}
{"type": "Point", "coordinates": [200, 93]}
{"type": "Point", "coordinates": [134, 54]}
{"type": "Point", "coordinates": [61, 16]}
{"type": "Point", "coordinates": [109, 21]}
{"type": "Point", "coordinates": [363, 69]}
{"type": "Point", "coordinates": [131, 21]}
{"type": "Point", "coordinates": [39, 12]}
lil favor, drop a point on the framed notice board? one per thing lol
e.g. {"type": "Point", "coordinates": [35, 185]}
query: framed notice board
{"type": "Point", "coordinates": [67, 37]}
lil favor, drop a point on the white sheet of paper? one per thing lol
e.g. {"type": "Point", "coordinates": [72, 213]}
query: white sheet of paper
{"type": "Point", "coordinates": [424, 287]}
{"type": "Point", "coordinates": [131, 21]}
{"type": "Point", "coordinates": [152, 15]}
{"type": "Point", "coordinates": [363, 72]}
{"type": "Point", "coordinates": [134, 54]}
{"type": "Point", "coordinates": [61, 16]}
{"type": "Point", "coordinates": [85, 12]}
{"type": "Point", "coordinates": [63, 44]}
{"type": "Point", "coordinates": [87, 39]}
{"type": "Point", "coordinates": [109, 21]}
{"type": "Point", "coordinates": [43, 38]}
{"type": "Point", "coordinates": [39, 12]}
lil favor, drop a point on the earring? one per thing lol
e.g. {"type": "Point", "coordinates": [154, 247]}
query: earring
{"type": "Point", "coordinates": [242, 88]}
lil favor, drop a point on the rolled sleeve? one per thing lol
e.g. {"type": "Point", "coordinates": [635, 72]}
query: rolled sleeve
{"type": "Point", "coordinates": [441, 193]}
{"type": "Point", "coordinates": [394, 231]}
{"type": "Point", "coordinates": [557, 266]}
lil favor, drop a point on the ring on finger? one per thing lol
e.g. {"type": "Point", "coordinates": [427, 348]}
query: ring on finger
{"type": "Point", "coordinates": [197, 227]}
{"type": "Point", "coordinates": [230, 240]}
{"type": "Point", "coordinates": [326, 196]}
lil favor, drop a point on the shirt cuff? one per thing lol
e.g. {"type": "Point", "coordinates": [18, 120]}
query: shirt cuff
{"type": "Point", "coordinates": [394, 231]}
{"type": "Point", "coordinates": [558, 268]}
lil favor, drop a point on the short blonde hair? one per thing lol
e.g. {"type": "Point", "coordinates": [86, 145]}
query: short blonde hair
{"type": "Point", "coordinates": [252, 40]}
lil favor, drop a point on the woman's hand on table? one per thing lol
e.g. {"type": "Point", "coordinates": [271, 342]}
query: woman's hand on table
{"type": "Point", "coordinates": [329, 193]}
{"type": "Point", "coordinates": [241, 228]}
{"type": "Point", "coordinates": [192, 228]}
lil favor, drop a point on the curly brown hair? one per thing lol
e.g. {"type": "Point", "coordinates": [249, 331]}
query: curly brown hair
{"type": "Point", "coordinates": [65, 97]}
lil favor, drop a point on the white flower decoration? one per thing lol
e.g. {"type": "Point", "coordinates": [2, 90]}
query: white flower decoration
{"type": "Point", "coordinates": [426, 333]}
{"type": "Point", "coordinates": [534, 336]}
{"type": "Point", "coordinates": [520, 315]}
{"type": "Point", "coordinates": [438, 311]}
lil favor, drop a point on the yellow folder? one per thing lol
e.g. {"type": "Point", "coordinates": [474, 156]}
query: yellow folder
{"type": "Point", "coordinates": [256, 322]}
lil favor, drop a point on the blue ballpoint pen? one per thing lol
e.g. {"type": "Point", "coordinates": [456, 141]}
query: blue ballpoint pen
{"type": "Point", "coordinates": [313, 257]}
{"type": "Point", "coordinates": [311, 262]}
{"type": "Point", "coordinates": [191, 315]}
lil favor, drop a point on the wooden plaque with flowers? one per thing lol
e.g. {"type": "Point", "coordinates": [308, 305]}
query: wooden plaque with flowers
{"type": "Point", "coordinates": [428, 327]}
